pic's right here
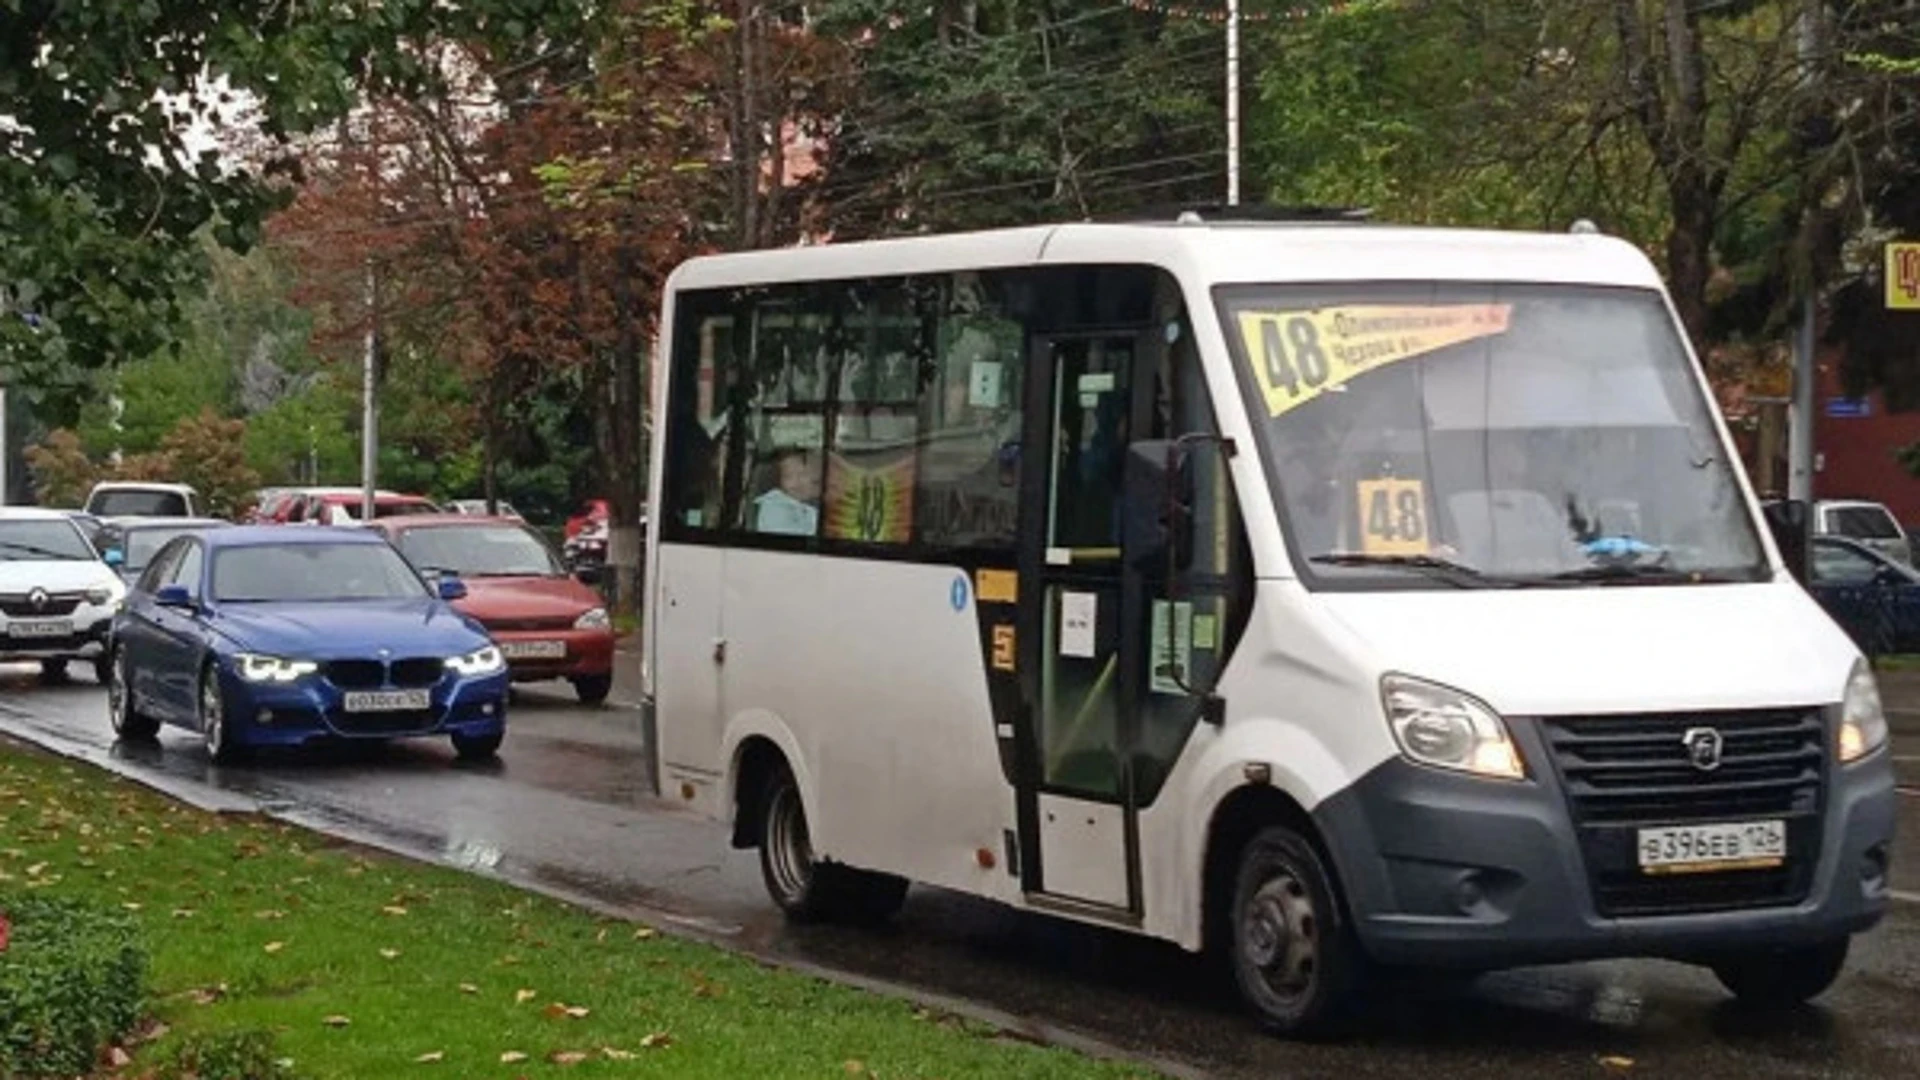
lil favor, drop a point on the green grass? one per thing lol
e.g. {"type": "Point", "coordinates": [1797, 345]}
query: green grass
{"type": "Point", "coordinates": [256, 925]}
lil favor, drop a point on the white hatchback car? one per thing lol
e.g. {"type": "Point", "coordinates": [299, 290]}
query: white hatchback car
{"type": "Point", "coordinates": [57, 598]}
{"type": "Point", "coordinates": [1869, 523]}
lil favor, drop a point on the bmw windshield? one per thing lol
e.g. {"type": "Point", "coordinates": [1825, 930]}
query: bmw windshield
{"type": "Point", "coordinates": [1450, 435]}
{"type": "Point", "coordinates": [314, 573]}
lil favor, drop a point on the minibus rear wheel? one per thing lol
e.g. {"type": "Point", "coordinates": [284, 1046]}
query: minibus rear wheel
{"type": "Point", "coordinates": [1293, 954]}
{"type": "Point", "coordinates": [807, 889]}
{"type": "Point", "coordinates": [1781, 978]}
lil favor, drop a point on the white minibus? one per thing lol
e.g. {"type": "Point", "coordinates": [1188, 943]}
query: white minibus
{"type": "Point", "coordinates": [1332, 596]}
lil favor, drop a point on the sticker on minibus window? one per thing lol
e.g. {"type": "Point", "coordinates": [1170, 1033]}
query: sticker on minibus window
{"type": "Point", "coordinates": [1299, 355]}
{"type": "Point", "coordinates": [874, 504]}
{"type": "Point", "coordinates": [1393, 516]}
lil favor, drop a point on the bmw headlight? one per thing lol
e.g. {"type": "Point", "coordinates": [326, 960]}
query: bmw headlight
{"type": "Point", "coordinates": [257, 668]}
{"type": "Point", "coordinates": [479, 662]}
{"type": "Point", "coordinates": [595, 619]}
{"type": "Point", "coordinates": [1863, 726]}
{"type": "Point", "coordinates": [1442, 727]}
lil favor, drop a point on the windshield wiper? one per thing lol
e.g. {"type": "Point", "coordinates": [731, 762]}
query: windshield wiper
{"type": "Point", "coordinates": [1643, 574]}
{"type": "Point", "coordinates": [45, 553]}
{"type": "Point", "coordinates": [1453, 573]}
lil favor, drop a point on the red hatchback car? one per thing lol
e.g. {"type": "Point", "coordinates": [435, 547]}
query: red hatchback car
{"type": "Point", "coordinates": [549, 625]}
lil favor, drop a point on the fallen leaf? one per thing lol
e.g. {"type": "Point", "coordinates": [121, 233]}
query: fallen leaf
{"type": "Point", "coordinates": [601, 936]}
{"type": "Point", "coordinates": [578, 1012]}
{"type": "Point", "coordinates": [512, 1057]}
{"type": "Point", "coordinates": [153, 1033]}
{"type": "Point", "coordinates": [469, 988]}
{"type": "Point", "coordinates": [389, 954]}
{"type": "Point", "coordinates": [275, 946]}
{"type": "Point", "coordinates": [521, 997]}
{"type": "Point", "coordinates": [644, 933]}
{"type": "Point", "coordinates": [855, 1068]}
{"type": "Point", "coordinates": [430, 1057]}
{"type": "Point", "coordinates": [1615, 1061]}
{"type": "Point", "coordinates": [130, 905]}
{"type": "Point", "coordinates": [615, 1054]}
{"type": "Point", "coordinates": [118, 1058]}
{"type": "Point", "coordinates": [555, 1010]}
{"type": "Point", "coordinates": [656, 1040]}
{"type": "Point", "coordinates": [394, 909]}
{"type": "Point", "coordinates": [35, 869]}
{"type": "Point", "coordinates": [567, 1057]}
{"type": "Point", "coordinates": [206, 995]}
{"type": "Point", "coordinates": [336, 1021]}
{"type": "Point", "coordinates": [183, 913]}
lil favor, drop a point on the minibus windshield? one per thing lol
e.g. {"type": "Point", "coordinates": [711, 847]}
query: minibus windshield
{"type": "Point", "coordinates": [1459, 436]}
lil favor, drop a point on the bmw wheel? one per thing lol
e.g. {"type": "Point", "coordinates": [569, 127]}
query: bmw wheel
{"type": "Point", "coordinates": [213, 719]}
{"type": "Point", "coordinates": [128, 722]}
{"type": "Point", "coordinates": [477, 747]}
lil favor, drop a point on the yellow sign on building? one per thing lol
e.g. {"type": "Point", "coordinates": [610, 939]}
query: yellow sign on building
{"type": "Point", "coordinates": [1903, 276]}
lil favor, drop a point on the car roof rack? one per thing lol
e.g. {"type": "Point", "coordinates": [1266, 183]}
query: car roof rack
{"type": "Point", "coordinates": [1263, 213]}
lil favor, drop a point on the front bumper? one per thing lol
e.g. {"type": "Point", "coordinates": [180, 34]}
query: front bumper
{"type": "Point", "coordinates": [1448, 870]}
{"type": "Point", "coordinates": [313, 709]}
{"type": "Point", "coordinates": [92, 629]}
{"type": "Point", "coordinates": [582, 653]}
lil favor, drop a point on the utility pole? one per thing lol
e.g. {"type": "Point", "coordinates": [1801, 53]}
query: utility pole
{"type": "Point", "coordinates": [1800, 413]}
{"type": "Point", "coordinates": [5, 446]}
{"type": "Point", "coordinates": [369, 414]}
{"type": "Point", "coordinates": [1233, 102]}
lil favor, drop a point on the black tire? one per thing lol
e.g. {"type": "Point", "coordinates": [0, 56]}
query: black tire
{"type": "Point", "coordinates": [593, 689]}
{"type": "Point", "coordinates": [806, 889]}
{"type": "Point", "coordinates": [477, 747]}
{"type": "Point", "coordinates": [129, 723]}
{"type": "Point", "coordinates": [1782, 978]}
{"type": "Point", "coordinates": [214, 728]}
{"type": "Point", "coordinates": [53, 672]}
{"type": "Point", "coordinates": [1292, 952]}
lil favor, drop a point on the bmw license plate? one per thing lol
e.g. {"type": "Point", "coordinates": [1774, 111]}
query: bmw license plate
{"type": "Point", "coordinates": [534, 650]}
{"type": "Point", "coordinates": [1696, 849]}
{"type": "Point", "coordinates": [40, 628]}
{"type": "Point", "coordinates": [386, 700]}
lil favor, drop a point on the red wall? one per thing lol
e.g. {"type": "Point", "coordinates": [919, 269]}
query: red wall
{"type": "Point", "coordinates": [1854, 456]}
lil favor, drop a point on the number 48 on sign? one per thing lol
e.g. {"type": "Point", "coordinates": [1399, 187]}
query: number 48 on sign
{"type": "Point", "coordinates": [1393, 516]}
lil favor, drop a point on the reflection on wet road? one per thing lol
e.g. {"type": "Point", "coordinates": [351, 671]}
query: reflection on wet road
{"type": "Point", "coordinates": [567, 809]}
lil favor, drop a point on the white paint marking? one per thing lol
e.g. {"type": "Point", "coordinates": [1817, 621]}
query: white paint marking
{"type": "Point", "coordinates": [1901, 894]}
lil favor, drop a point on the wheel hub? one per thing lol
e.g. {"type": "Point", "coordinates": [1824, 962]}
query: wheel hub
{"type": "Point", "coordinates": [1281, 936]}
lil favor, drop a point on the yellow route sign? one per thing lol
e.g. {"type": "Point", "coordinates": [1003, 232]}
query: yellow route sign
{"type": "Point", "coordinates": [1297, 355]}
{"type": "Point", "coordinates": [1903, 276]}
{"type": "Point", "coordinates": [1393, 516]}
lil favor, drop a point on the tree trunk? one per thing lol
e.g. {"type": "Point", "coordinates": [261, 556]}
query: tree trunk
{"type": "Point", "coordinates": [626, 468]}
{"type": "Point", "coordinates": [1690, 256]}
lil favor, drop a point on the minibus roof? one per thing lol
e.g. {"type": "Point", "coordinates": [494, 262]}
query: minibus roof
{"type": "Point", "coordinates": [1209, 253]}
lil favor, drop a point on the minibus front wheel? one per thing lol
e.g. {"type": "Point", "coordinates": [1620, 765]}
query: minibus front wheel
{"type": "Point", "coordinates": [1293, 955]}
{"type": "Point", "coordinates": [806, 888]}
{"type": "Point", "coordinates": [1781, 978]}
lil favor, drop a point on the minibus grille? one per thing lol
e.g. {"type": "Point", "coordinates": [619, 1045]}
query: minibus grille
{"type": "Point", "coordinates": [1625, 773]}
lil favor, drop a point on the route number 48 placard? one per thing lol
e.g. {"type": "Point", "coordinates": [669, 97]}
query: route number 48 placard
{"type": "Point", "coordinates": [1393, 516]}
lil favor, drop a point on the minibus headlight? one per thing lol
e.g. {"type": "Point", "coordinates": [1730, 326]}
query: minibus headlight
{"type": "Point", "coordinates": [1442, 727]}
{"type": "Point", "coordinates": [1863, 726]}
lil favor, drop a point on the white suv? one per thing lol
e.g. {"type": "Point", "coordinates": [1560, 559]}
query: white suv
{"type": "Point", "coordinates": [1869, 523]}
{"type": "Point", "coordinates": [57, 598]}
{"type": "Point", "coordinates": [139, 498]}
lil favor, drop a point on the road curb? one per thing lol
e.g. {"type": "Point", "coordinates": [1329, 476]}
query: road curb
{"type": "Point", "coordinates": [675, 924]}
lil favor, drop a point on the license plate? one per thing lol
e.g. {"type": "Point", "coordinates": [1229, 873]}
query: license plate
{"type": "Point", "coordinates": [534, 650]}
{"type": "Point", "coordinates": [386, 700]}
{"type": "Point", "coordinates": [1697, 849]}
{"type": "Point", "coordinates": [41, 628]}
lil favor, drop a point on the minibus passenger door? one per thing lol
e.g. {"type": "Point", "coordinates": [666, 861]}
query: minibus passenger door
{"type": "Point", "coordinates": [1083, 639]}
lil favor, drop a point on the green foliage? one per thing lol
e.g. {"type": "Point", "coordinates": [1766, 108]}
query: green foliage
{"type": "Point", "coordinates": [304, 438]}
{"type": "Point", "coordinates": [154, 394]}
{"type": "Point", "coordinates": [209, 453]}
{"type": "Point", "coordinates": [71, 982]}
{"type": "Point", "coordinates": [227, 1055]}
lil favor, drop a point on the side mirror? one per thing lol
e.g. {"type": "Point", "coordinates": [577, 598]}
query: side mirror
{"type": "Point", "coordinates": [1791, 522]}
{"type": "Point", "coordinates": [587, 575]}
{"type": "Point", "coordinates": [113, 557]}
{"type": "Point", "coordinates": [174, 596]}
{"type": "Point", "coordinates": [452, 588]}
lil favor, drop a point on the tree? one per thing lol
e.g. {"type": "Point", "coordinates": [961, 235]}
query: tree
{"type": "Point", "coordinates": [209, 453]}
{"type": "Point", "coordinates": [996, 112]}
{"type": "Point", "coordinates": [63, 474]}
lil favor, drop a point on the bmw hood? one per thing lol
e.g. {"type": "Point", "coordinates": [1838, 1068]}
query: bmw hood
{"type": "Point", "coordinates": [1614, 649]}
{"type": "Point", "coordinates": [346, 629]}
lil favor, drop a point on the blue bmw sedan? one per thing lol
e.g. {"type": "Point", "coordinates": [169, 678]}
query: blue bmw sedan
{"type": "Point", "coordinates": [260, 635]}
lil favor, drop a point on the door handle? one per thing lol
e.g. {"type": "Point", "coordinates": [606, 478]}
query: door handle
{"type": "Point", "coordinates": [719, 650]}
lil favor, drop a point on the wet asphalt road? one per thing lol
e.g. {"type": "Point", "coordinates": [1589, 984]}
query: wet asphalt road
{"type": "Point", "coordinates": [567, 810]}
